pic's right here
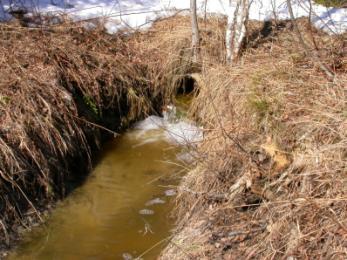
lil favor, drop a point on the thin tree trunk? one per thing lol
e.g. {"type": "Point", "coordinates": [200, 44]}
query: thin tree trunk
{"type": "Point", "coordinates": [195, 31]}
{"type": "Point", "coordinates": [236, 30]}
{"type": "Point", "coordinates": [205, 12]}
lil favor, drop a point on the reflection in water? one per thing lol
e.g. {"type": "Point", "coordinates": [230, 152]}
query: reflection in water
{"type": "Point", "coordinates": [120, 211]}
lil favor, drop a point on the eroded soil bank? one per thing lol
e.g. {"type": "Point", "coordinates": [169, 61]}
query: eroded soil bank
{"type": "Point", "coordinates": [63, 91]}
{"type": "Point", "coordinates": [121, 210]}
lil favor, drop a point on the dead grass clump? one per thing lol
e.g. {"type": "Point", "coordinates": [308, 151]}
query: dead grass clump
{"type": "Point", "coordinates": [271, 182]}
{"type": "Point", "coordinates": [58, 84]}
{"type": "Point", "coordinates": [166, 48]}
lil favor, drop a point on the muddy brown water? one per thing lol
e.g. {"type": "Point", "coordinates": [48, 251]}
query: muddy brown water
{"type": "Point", "coordinates": [120, 212]}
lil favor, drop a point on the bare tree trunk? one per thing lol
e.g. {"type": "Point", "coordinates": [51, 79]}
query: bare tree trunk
{"type": "Point", "coordinates": [236, 30]}
{"type": "Point", "coordinates": [205, 12]}
{"type": "Point", "coordinates": [195, 31]}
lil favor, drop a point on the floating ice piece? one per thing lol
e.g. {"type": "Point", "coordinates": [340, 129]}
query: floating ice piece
{"type": "Point", "coordinates": [180, 132]}
{"type": "Point", "coordinates": [127, 256]}
{"type": "Point", "coordinates": [155, 201]}
{"type": "Point", "coordinates": [150, 123]}
{"type": "Point", "coordinates": [146, 212]}
{"type": "Point", "coordinates": [183, 133]}
{"type": "Point", "coordinates": [170, 193]}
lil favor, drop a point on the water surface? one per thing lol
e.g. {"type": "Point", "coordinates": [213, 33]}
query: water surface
{"type": "Point", "coordinates": [121, 211]}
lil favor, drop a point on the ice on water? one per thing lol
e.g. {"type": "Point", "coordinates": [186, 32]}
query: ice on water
{"type": "Point", "coordinates": [168, 127]}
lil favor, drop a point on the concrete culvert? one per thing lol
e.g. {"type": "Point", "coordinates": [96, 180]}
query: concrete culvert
{"type": "Point", "coordinates": [186, 85]}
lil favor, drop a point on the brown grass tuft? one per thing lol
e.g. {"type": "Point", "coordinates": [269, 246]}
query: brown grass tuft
{"type": "Point", "coordinates": [271, 179]}
{"type": "Point", "coordinates": [58, 84]}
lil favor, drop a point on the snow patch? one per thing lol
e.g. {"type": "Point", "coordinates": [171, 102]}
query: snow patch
{"type": "Point", "coordinates": [154, 128]}
{"type": "Point", "coordinates": [139, 14]}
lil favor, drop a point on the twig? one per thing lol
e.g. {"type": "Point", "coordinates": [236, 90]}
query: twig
{"type": "Point", "coordinates": [96, 125]}
{"type": "Point", "coordinates": [7, 239]}
{"type": "Point", "coordinates": [310, 25]}
{"type": "Point", "coordinates": [208, 194]}
{"type": "Point", "coordinates": [152, 247]}
{"type": "Point", "coordinates": [182, 249]}
{"type": "Point", "coordinates": [314, 53]}
{"type": "Point", "coordinates": [23, 193]}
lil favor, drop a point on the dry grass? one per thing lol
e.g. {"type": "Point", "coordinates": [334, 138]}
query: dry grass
{"type": "Point", "coordinates": [271, 179]}
{"type": "Point", "coordinates": [271, 174]}
{"type": "Point", "coordinates": [50, 79]}
{"type": "Point", "coordinates": [57, 85]}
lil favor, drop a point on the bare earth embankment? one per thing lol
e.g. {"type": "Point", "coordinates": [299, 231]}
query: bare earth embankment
{"type": "Point", "coordinates": [63, 91]}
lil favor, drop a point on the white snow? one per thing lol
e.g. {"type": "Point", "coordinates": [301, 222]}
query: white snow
{"type": "Point", "coordinates": [139, 14]}
{"type": "Point", "coordinates": [154, 128]}
{"type": "Point", "coordinates": [183, 132]}
{"type": "Point", "coordinates": [150, 123]}
{"type": "Point", "coordinates": [169, 128]}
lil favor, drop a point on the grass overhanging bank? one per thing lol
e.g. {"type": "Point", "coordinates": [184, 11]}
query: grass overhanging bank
{"type": "Point", "coordinates": [62, 89]}
{"type": "Point", "coordinates": [270, 179]}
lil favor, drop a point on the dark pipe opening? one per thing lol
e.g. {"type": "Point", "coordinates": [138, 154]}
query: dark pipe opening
{"type": "Point", "coordinates": [186, 86]}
